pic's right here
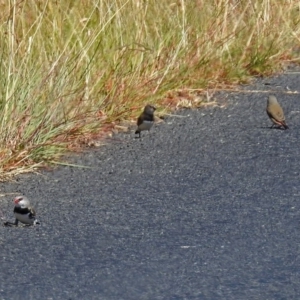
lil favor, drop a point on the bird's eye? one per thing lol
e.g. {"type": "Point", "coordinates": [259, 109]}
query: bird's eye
{"type": "Point", "coordinates": [18, 199]}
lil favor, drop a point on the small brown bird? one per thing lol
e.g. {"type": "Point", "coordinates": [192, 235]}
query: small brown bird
{"type": "Point", "coordinates": [146, 119]}
{"type": "Point", "coordinates": [23, 212]}
{"type": "Point", "coordinates": [275, 112]}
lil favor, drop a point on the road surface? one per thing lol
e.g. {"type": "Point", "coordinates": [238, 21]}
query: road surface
{"type": "Point", "coordinates": [206, 206]}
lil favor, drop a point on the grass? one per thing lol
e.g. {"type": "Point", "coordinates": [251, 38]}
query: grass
{"type": "Point", "coordinates": [70, 69]}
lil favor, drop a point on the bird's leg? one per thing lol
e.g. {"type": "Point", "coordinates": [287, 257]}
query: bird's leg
{"type": "Point", "coordinates": [11, 223]}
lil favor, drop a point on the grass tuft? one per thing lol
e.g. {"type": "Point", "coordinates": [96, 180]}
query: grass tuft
{"type": "Point", "coordinates": [70, 69]}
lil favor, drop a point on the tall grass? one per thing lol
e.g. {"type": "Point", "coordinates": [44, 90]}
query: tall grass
{"type": "Point", "coordinates": [70, 68]}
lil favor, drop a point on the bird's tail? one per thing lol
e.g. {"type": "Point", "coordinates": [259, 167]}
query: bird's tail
{"type": "Point", "coordinates": [284, 125]}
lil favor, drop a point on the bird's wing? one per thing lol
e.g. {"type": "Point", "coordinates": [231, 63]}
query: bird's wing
{"type": "Point", "coordinates": [279, 115]}
{"type": "Point", "coordinates": [140, 120]}
{"type": "Point", "coordinates": [32, 212]}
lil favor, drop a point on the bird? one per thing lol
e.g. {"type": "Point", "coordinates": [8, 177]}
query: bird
{"type": "Point", "coordinates": [275, 113]}
{"type": "Point", "coordinates": [146, 119]}
{"type": "Point", "coordinates": [23, 212]}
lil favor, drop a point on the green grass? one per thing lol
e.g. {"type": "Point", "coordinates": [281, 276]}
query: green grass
{"type": "Point", "coordinates": [69, 68]}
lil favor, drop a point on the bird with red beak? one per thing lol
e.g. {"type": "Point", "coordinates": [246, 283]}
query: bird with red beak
{"type": "Point", "coordinates": [23, 212]}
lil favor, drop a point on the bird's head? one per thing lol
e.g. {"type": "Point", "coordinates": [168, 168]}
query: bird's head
{"type": "Point", "coordinates": [149, 109]}
{"type": "Point", "coordinates": [21, 201]}
{"type": "Point", "coordinates": [272, 100]}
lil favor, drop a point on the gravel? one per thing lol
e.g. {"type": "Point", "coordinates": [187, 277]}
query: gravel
{"type": "Point", "coordinates": [205, 206]}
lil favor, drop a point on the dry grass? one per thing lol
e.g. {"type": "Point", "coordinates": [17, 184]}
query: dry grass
{"type": "Point", "coordinates": [69, 69]}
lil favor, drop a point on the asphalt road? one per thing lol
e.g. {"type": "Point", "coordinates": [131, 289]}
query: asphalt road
{"type": "Point", "coordinates": [206, 206]}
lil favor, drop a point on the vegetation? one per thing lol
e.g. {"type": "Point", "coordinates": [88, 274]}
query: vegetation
{"type": "Point", "coordinates": [70, 69]}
